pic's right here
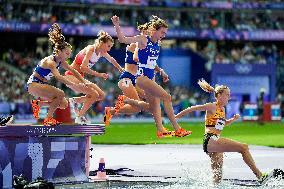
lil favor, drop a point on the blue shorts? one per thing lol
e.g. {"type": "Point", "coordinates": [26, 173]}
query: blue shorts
{"type": "Point", "coordinates": [150, 73]}
{"type": "Point", "coordinates": [128, 75]}
{"type": "Point", "coordinates": [34, 79]}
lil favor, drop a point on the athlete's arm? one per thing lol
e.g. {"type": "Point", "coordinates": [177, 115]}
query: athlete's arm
{"type": "Point", "coordinates": [66, 66]}
{"type": "Point", "coordinates": [204, 107]}
{"type": "Point", "coordinates": [120, 35]}
{"type": "Point", "coordinates": [55, 72]}
{"type": "Point", "coordinates": [113, 62]}
{"type": "Point", "coordinates": [84, 66]}
{"type": "Point", "coordinates": [231, 120]}
{"type": "Point", "coordinates": [135, 54]}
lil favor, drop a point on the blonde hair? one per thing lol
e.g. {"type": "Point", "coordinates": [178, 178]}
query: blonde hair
{"type": "Point", "coordinates": [157, 23]}
{"type": "Point", "coordinates": [142, 27]}
{"type": "Point", "coordinates": [219, 89]}
{"type": "Point", "coordinates": [104, 37]}
{"type": "Point", "coordinates": [57, 39]}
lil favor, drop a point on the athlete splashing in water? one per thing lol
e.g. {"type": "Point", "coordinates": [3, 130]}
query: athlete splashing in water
{"type": "Point", "coordinates": [215, 145]}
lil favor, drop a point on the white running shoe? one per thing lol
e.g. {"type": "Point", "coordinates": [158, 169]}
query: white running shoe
{"type": "Point", "coordinates": [82, 120]}
{"type": "Point", "coordinates": [6, 120]}
{"type": "Point", "coordinates": [74, 106]}
{"type": "Point", "coordinates": [265, 177]}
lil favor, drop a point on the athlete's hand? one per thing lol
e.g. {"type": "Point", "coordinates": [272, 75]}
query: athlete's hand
{"type": "Point", "coordinates": [164, 76]}
{"type": "Point", "coordinates": [236, 116]}
{"type": "Point", "coordinates": [104, 76]}
{"type": "Point", "coordinates": [115, 20]}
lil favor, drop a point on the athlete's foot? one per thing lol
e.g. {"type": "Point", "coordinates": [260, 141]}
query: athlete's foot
{"type": "Point", "coordinates": [182, 132]}
{"type": "Point", "coordinates": [35, 108]}
{"type": "Point", "coordinates": [82, 120]}
{"type": "Point", "coordinates": [107, 116]}
{"type": "Point", "coordinates": [165, 133]}
{"type": "Point", "coordinates": [1, 119]}
{"type": "Point", "coordinates": [49, 121]}
{"type": "Point", "coordinates": [74, 105]}
{"type": "Point", "coordinates": [265, 177]}
{"type": "Point", "coordinates": [6, 120]}
{"type": "Point", "coordinates": [119, 103]}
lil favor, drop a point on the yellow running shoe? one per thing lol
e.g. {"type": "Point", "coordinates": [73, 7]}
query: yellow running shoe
{"type": "Point", "coordinates": [265, 177]}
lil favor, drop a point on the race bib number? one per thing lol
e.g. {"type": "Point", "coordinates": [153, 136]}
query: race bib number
{"type": "Point", "coordinates": [126, 82]}
{"type": "Point", "coordinates": [140, 72]}
{"type": "Point", "coordinates": [220, 124]}
{"type": "Point", "coordinates": [152, 61]}
{"type": "Point", "coordinates": [49, 76]}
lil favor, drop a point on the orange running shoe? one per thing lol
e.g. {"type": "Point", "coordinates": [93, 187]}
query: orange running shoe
{"type": "Point", "coordinates": [182, 132]}
{"type": "Point", "coordinates": [107, 116]}
{"type": "Point", "coordinates": [165, 133]}
{"type": "Point", "coordinates": [119, 103]}
{"type": "Point", "coordinates": [49, 121]}
{"type": "Point", "coordinates": [35, 108]}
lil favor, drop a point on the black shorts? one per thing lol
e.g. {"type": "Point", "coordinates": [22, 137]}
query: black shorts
{"type": "Point", "coordinates": [206, 139]}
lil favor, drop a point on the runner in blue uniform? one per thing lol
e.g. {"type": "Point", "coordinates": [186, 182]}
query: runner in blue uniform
{"type": "Point", "coordinates": [127, 84]}
{"type": "Point", "coordinates": [148, 53]}
{"type": "Point", "coordinates": [37, 84]}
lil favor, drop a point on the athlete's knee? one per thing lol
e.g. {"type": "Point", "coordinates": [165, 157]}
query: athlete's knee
{"type": "Point", "coordinates": [93, 95]}
{"type": "Point", "coordinates": [63, 104]}
{"type": "Point", "coordinates": [102, 96]}
{"type": "Point", "coordinates": [244, 148]}
{"type": "Point", "coordinates": [60, 94]}
{"type": "Point", "coordinates": [136, 110]}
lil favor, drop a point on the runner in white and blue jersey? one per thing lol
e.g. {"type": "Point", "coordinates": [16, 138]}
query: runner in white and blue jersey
{"type": "Point", "coordinates": [127, 84]}
{"type": "Point", "coordinates": [148, 53]}
{"type": "Point", "coordinates": [47, 68]}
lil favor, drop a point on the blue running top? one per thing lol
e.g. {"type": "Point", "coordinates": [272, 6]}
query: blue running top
{"type": "Point", "coordinates": [148, 59]}
{"type": "Point", "coordinates": [45, 72]}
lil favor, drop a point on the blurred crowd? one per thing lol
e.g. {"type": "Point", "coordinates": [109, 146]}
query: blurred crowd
{"type": "Point", "coordinates": [242, 53]}
{"type": "Point", "coordinates": [177, 18]}
{"type": "Point", "coordinates": [19, 63]}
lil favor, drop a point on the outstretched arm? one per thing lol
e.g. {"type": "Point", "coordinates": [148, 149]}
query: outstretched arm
{"type": "Point", "coordinates": [113, 62]}
{"type": "Point", "coordinates": [59, 77]}
{"type": "Point", "coordinates": [204, 107]}
{"type": "Point", "coordinates": [120, 35]}
{"type": "Point", "coordinates": [231, 120]}
{"type": "Point", "coordinates": [135, 54]}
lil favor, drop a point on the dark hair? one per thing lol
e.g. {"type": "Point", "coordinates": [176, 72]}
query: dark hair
{"type": "Point", "coordinates": [57, 39]}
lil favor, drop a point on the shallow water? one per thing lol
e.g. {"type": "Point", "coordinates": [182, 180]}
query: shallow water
{"type": "Point", "coordinates": [185, 183]}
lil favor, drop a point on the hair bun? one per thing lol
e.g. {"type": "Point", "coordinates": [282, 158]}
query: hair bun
{"type": "Point", "coordinates": [102, 33]}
